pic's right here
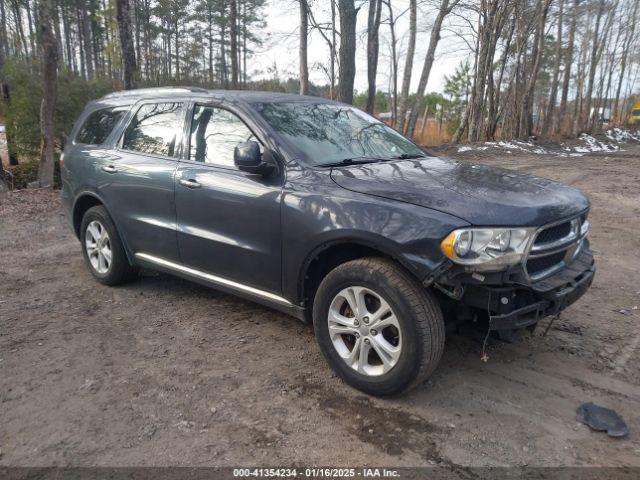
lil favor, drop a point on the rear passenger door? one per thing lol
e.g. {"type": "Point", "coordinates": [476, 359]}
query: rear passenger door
{"type": "Point", "coordinates": [228, 220]}
{"type": "Point", "coordinates": [139, 179]}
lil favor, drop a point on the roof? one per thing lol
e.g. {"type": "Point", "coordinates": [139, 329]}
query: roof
{"type": "Point", "coordinates": [250, 96]}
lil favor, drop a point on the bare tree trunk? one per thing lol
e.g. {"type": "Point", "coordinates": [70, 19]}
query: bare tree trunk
{"type": "Point", "coordinates": [445, 8]}
{"type": "Point", "coordinates": [49, 93]}
{"type": "Point", "coordinates": [347, 70]}
{"type": "Point", "coordinates": [548, 125]}
{"type": "Point", "coordinates": [86, 39]}
{"type": "Point", "coordinates": [4, 88]}
{"type": "Point", "coordinates": [490, 25]}
{"type": "Point", "coordinates": [586, 112]}
{"type": "Point", "coordinates": [123, 17]}
{"type": "Point", "coordinates": [623, 65]}
{"type": "Point", "coordinates": [147, 41]}
{"type": "Point", "coordinates": [373, 48]}
{"type": "Point", "coordinates": [4, 46]}
{"type": "Point", "coordinates": [526, 118]}
{"type": "Point", "coordinates": [57, 32]}
{"type": "Point", "coordinates": [494, 100]}
{"type": "Point", "coordinates": [244, 45]}
{"type": "Point", "coordinates": [394, 66]}
{"type": "Point", "coordinates": [423, 126]}
{"type": "Point", "coordinates": [408, 67]}
{"type": "Point", "coordinates": [176, 31]}
{"type": "Point", "coordinates": [233, 19]}
{"type": "Point", "coordinates": [606, 40]}
{"type": "Point", "coordinates": [224, 74]}
{"type": "Point", "coordinates": [568, 61]}
{"type": "Point", "coordinates": [67, 38]}
{"type": "Point", "coordinates": [30, 22]}
{"type": "Point", "coordinates": [80, 42]}
{"type": "Point", "coordinates": [21, 36]}
{"type": "Point", "coordinates": [210, 41]}
{"type": "Point", "coordinates": [137, 32]}
{"type": "Point", "coordinates": [464, 122]}
{"type": "Point", "coordinates": [304, 69]}
{"type": "Point", "coordinates": [332, 53]}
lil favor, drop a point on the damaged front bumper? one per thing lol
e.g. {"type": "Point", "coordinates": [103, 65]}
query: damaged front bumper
{"type": "Point", "coordinates": [509, 299]}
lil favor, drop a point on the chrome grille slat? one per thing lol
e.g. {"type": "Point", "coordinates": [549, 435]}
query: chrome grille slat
{"type": "Point", "coordinates": [559, 248]}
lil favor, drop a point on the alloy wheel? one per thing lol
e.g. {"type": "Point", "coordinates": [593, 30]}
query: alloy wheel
{"type": "Point", "coordinates": [365, 331]}
{"type": "Point", "coordinates": [98, 247]}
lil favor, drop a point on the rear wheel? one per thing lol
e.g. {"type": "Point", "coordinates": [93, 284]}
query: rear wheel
{"type": "Point", "coordinates": [380, 330]}
{"type": "Point", "coordinates": [102, 248]}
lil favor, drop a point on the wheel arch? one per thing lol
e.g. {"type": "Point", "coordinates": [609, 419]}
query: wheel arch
{"type": "Point", "coordinates": [332, 253]}
{"type": "Point", "coordinates": [83, 202]}
{"type": "Point", "coordinates": [86, 200]}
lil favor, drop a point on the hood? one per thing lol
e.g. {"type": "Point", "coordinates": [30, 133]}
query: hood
{"type": "Point", "coordinates": [479, 194]}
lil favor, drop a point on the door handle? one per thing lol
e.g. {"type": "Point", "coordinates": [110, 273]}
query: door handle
{"type": "Point", "coordinates": [109, 169]}
{"type": "Point", "coordinates": [189, 183]}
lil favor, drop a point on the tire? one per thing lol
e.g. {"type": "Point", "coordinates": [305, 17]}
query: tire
{"type": "Point", "coordinates": [95, 223]}
{"type": "Point", "coordinates": [415, 328]}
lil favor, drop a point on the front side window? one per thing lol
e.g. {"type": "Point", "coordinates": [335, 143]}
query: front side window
{"type": "Point", "coordinates": [636, 112]}
{"type": "Point", "coordinates": [326, 133]}
{"type": "Point", "coordinates": [155, 129]}
{"type": "Point", "coordinates": [99, 125]}
{"type": "Point", "coordinates": [215, 132]}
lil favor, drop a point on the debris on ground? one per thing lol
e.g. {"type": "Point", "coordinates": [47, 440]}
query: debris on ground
{"type": "Point", "coordinates": [602, 419]}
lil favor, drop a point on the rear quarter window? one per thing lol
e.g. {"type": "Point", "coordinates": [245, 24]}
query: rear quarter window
{"type": "Point", "coordinates": [99, 125]}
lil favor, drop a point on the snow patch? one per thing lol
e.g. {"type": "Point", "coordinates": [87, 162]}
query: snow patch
{"type": "Point", "coordinates": [576, 148]}
{"type": "Point", "coordinates": [469, 148]}
{"type": "Point", "coordinates": [621, 136]}
{"type": "Point", "coordinates": [593, 145]}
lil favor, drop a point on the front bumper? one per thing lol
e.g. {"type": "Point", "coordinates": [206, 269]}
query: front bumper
{"type": "Point", "coordinates": [551, 302]}
{"type": "Point", "coordinates": [509, 303]}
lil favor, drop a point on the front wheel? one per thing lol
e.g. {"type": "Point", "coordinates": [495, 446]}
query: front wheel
{"type": "Point", "coordinates": [380, 330]}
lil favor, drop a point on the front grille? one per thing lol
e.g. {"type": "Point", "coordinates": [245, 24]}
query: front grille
{"type": "Point", "coordinates": [539, 264]}
{"type": "Point", "coordinates": [553, 233]}
{"type": "Point", "coordinates": [554, 246]}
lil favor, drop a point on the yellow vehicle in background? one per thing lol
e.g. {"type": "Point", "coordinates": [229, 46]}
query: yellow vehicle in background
{"type": "Point", "coordinates": [634, 117]}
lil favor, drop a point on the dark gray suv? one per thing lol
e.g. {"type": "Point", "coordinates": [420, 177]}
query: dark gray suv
{"type": "Point", "coordinates": [321, 211]}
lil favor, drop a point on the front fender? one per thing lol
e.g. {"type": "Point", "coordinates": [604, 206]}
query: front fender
{"type": "Point", "coordinates": [317, 215]}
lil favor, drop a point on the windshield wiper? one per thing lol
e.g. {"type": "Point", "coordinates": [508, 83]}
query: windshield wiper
{"type": "Point", "coordinates": [352, 161]}
{"type": "Point", "coordinates": [407, 156]}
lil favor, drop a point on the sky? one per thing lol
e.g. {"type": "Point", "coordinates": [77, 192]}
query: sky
{"type": "Point", "coordinates": [281, 48]}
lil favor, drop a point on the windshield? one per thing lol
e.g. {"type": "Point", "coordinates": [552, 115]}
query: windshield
{"type": "Point", "coordinates": [329, 134]}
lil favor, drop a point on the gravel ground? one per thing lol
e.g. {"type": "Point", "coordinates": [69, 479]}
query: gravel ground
{"type": "Point", "coordinates": [165, 372]}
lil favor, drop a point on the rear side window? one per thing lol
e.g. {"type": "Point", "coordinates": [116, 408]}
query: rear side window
{"type": "Point", "coordinates": [99, 124]}
{"type": "Point", "coordinates": [154, 129]}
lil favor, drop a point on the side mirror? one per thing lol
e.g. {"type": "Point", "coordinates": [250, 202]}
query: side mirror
{"type": "Point", "coordinates": [247, 157]}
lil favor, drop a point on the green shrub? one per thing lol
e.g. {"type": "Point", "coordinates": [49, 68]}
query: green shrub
{"type": "Point", "coordinates": [23, 173]}
{"type": "Point", "coordinates": [27, 172]}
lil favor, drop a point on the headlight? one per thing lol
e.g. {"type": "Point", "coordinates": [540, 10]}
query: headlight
{"type": "Point", "coordinates": [488, 247]}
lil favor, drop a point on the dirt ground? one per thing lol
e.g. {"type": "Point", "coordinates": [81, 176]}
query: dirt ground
{"type": "Point", "coordinates": [165, 372]}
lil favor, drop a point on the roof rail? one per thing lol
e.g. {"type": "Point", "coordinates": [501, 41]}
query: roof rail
{"type": "Point", "coordinates": [141, 92]}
